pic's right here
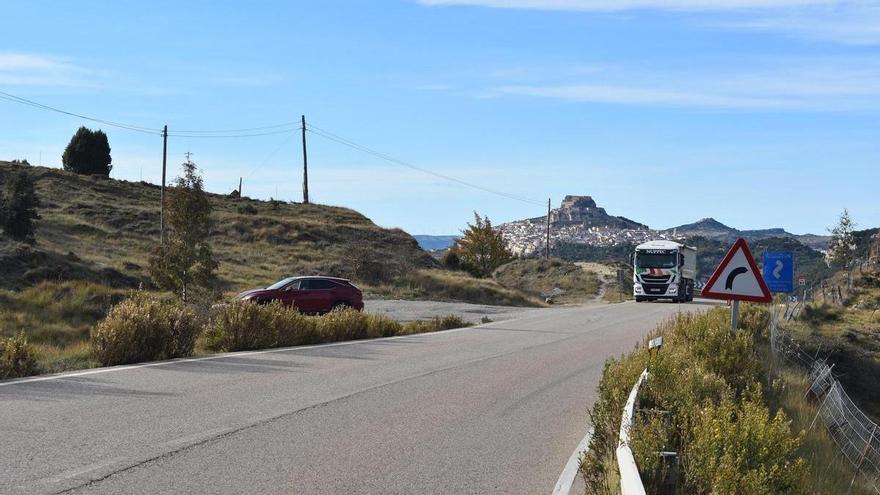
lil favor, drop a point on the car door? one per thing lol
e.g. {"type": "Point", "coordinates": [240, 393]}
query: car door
{"type": "Point", "coordinates": [322, 295]}
{"type": "Point", "coordinates": [304, 297]}
{"type": "Point", "coordinates": [289, 294]}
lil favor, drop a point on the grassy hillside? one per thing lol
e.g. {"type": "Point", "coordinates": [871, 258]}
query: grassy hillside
{"type": "Point", "coordinates": [103, 230]}
{"type": "Point", "coordinates": [538, 276]}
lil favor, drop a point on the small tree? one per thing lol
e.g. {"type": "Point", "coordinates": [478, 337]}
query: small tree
{"type": "Point", "coordinates": [185, 258]}
{"type": "Point", "coordinates": [18, 208]}
{"type": "Point", "coordinates": [842, 247]}
{"type": "Point", "coordinates": [88, 153]}
{"type": "Point", "coordinates": [481, 248]}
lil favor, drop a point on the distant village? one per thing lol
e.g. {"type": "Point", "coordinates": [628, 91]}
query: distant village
{"type": "Point", "coordinates": [578, 220]}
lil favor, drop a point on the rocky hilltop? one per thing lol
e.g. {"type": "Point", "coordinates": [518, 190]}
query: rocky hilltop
{"type": "Point", "coordinates": [578, 220]}
{"type": "Point", "coordinates": [583, 211]}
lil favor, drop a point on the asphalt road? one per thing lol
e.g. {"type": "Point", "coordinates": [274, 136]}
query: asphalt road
{"type": "Point", "coordinates": [490, 409]}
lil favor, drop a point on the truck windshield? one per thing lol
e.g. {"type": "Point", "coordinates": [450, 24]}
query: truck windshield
{"type": "Point", "coordinates": [645, 260]}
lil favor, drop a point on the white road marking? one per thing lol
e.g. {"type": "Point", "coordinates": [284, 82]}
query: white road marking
{"type": "Point", "coordinates": [563, 484]}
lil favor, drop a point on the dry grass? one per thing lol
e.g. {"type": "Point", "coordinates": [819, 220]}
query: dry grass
{"type": "Point", "coordinates": [103, 230]}
{"type": "Point", "coordinates": [441, 285]}
{"type": "Point", "coordinates": [539, 276]}
{"type": "Point", "coordinates": [828, 471]}
{"type": "Point", "coordinates": [57, 318]}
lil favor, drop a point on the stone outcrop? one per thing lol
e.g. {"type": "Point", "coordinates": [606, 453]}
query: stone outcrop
{"type": "Point", "coordinates": [582, 210]}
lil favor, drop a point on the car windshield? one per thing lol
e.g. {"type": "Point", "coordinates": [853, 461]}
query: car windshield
{"type": "Point", "coordinates": [281, 283]}
{"type": "Point", "coordinates": [645, 260]}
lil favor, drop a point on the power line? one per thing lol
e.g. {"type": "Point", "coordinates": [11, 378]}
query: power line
{"type": "Point", "coordinates": [24, 101]}
{"type": "Point", "coordinates": [247, 129]}
{"type": "Point", "coordinates": [217, 133]}
{"type": "Point", "coordinates": [351, 144]}
{"type": "Point", "coordinates": [226, 136]}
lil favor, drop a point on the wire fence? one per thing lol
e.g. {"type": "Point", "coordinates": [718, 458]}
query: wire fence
{"type": "Point", "coordinates": [855, 434]}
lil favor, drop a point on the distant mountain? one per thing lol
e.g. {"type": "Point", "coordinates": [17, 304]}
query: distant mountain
{"type": "Point", "coordinates": [710, 228]}
{"type": "Point", "coordinates": [436, 242]}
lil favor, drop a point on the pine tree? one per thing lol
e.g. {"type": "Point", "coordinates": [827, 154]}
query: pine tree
{"type": "Point", "coordinates": [481, 248]}
{"type": "Point", "coordinates": [842, 247]}
{"type": "Point", "coordinates": [18, 208]}
{"type": "Point", "coordinates": [185, 259]}
{"type": "Point", "coordinates": [88, 153]}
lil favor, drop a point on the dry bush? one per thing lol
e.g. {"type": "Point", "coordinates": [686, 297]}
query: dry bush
{"type": "Point", "coordinates": [17, 358]}
{"type": "Point", "coordinates": [145, 328]}
{"type": "Point", "coordinates": [243, 325]}
{"type": "Point", "coordinates": [350, 324]}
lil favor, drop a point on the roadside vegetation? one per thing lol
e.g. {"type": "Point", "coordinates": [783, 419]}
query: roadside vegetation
{"type": "Point", "coordinates": [705, 398]}
{"type": "Point", "coordinates": [739, 418]}
{"type": "Point", "coordinates": [61, 327]}
{"type": "Point", "coordinates": [566, 282]}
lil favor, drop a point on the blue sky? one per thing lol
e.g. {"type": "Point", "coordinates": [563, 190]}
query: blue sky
{"type": "Point", "coordinates": [760, 113]}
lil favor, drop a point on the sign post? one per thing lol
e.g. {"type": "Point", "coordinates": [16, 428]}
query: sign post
{"type": "Point", "coordinates": [737, 279]}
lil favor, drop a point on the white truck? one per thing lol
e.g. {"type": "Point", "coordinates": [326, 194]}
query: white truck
{"type": "Point", "coordinates": [664, 270]}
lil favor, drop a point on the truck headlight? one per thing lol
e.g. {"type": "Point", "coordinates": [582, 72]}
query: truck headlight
{"type": "Point", "coordinates": [638, 288]}
{"type": "Point", "coordinates": [673, 289]}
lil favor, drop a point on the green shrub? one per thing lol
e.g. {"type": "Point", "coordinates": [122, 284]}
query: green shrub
{"type": "Point", "coordinates": [17, 357]}
{"type": "Point", "coordinates": [246, 209]}
{"type": "Point", "coordinates": [144, 328]}
{"type": "Point", "coordinates": [703, 400]}
{"type": "Point", "coordinates": [739, 448]}
{"type": "Point", "coordinates": [243, 325]}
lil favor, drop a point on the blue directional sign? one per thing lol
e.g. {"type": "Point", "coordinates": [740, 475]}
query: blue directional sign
{"type": "Point", "coordinates": [779, 271]}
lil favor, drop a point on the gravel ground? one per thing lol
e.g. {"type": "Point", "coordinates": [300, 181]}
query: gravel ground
{"type": "Point", "coordinates": [401, 310]}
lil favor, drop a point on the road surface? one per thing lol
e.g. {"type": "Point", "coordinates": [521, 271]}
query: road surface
{"type": "Point", "coordinates": [422, 310]}
{"type": "Point", "coordinates": [491, 409]}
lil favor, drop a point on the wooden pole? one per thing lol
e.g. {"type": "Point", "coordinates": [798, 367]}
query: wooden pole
{"type": "Point", "coordinates": [239, 187]}
{"type": "Point", "coordinates": [305, 164]}
{"type": "Point", "coordinates": [547, 247]}
{"type": "Point", "coordinates": [162, 193]}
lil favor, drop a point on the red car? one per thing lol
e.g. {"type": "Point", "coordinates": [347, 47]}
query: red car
{"type": "Point", "coordinates": [309, 294]}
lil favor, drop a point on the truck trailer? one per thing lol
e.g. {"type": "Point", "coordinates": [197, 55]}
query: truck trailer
{"type": "Point", "coordinates": [664, 270]}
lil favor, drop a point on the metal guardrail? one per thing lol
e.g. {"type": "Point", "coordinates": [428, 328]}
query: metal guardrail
{"type": "Point", "coordinates": [630, 481]}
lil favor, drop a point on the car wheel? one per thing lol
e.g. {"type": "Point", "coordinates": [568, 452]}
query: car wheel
{"type": "Point", "coordinates": [340, 305]}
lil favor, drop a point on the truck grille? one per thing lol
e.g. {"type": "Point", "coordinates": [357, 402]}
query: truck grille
{"type": "Point", "coordinates": [656, 279]}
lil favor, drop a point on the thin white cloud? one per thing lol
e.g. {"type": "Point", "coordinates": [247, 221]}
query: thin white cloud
{"type": "Point", "coordinates": [28, 69]}
{"type": "Point", "coordinates": [815, 85]}
{"type": "Point", "coordinates": [629, 95]}
{"type": "Point", "coordinates": [621, 5]}
{"type": "Point", "coordinates": [842, 21]}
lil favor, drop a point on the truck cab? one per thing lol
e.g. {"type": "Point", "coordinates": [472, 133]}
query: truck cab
{"type": "Point", "coordinates": [664, 270]}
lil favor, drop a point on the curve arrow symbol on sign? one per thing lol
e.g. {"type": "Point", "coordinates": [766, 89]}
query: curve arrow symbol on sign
{"type": "Point", "coordinates": [777, 272]}
{"type": "Point", "coordinates": [728, 284]}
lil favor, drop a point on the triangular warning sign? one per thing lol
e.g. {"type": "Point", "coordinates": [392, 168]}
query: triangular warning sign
{"type": "Point", "coordinates": [737, 277]}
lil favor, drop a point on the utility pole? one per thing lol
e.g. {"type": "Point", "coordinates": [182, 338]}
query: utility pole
{"type": "Point", "coordinates": [547, 246]}
{"type": "Point", "coordinates": [239, 187]}
{"type": "Point", "coordinates": [305, 164]}
{"type": "Point", "coordinates": [162, 193]}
